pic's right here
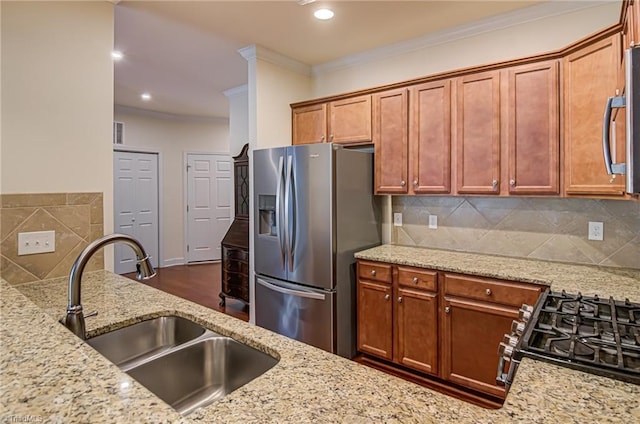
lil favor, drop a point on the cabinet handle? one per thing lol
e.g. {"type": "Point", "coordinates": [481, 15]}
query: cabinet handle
{"type": "Point", "coordinates": [399, 299]}
{"type": "Point", "coordinates": [488, 292]}
{"type": "Point", "coordinates": [373, 272]}
{"type": "Point", "coordinates": [415, 182]}
{"type": "Point", "coordinates": [322, 138]}
{"type": "Point", "coordinates": [386, 297]}
{"type": "Point", "coordinates": [415, 280]}
{"type": "Point", "coordinates": [403, 183]}
{"type": "Point", "coordinates": [330, 136]}
{"type": "Point", "coordinates": [512, 182]}
{"type": "Point", "coordinates": [447, 309]}
{"type": "Point", "coordinates": [494, 183]}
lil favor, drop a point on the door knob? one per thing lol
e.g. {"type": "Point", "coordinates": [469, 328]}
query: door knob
{"type": "Point", "coordinates": [512, 182]}
{"type": "Point", "coordinates": [447, 309]}
{"type": "Point", "coordinates": [403, 183]}
{"type": "Point", "coordinates": [415, 280]}
{"type": "Point", "coordinates": [373, 272]}
{"type": "Point", "coordinates": [415, 182]}
{"type": "Point", "coordinates": [494, 183]}
{"type": "Point", "coordinates": [386, 297]}
{"type": "Point", "coordinates": [488, 292]}
{"type": "Point", "coordinates": [399, 299]}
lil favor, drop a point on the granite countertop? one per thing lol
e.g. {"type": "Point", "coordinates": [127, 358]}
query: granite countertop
{"type": "Point", "coordinates": [49, 375]}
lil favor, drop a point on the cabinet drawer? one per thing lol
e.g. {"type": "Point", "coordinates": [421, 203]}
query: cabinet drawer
{"type": "Point", "coordinates": [503, 292]}
{"type": "Point", "coordinates": [374, 271]}
{"type": "Point", "coordinates": [413, 277]}
{"type": "Point", "coordinates": [237, 254]}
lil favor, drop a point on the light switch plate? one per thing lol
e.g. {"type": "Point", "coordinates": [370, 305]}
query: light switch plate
{"type": "Point", "coordinates": [433, 222]}
{"type": "Point", "coordinates": [36, 242]}
{"type": "Point", "coordinates": [397, 219]}
{"type": "Point", "coordinates": [596, 230]}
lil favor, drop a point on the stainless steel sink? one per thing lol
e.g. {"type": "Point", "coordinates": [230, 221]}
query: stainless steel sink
{"type": "Point", "coordinates": [202, 373]}
{"type": "Point", "coordinates": [132, 345]}
{"type": "Point", "coordinates": [182, 362]}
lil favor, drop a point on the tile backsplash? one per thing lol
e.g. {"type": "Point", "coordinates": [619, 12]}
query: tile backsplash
{"type": "Point", "coordinates": [536, 228]}
{"type": "Point", "coordinates": [76, 218]}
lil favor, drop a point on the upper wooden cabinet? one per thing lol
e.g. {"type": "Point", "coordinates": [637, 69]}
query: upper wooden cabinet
{"type": "Point", "coordinates": [412, 137]}
{"type": "Point", "coordinates": [477, 138]}
{"type": "Point", "coordinates": [590, 77]}
{"type": "Point", "coordinates": [345, 121]}
{"type": "Point", "coordinates": [631, 24]}
{"type": "Point", "coordinates": [391, 141]}
{"type": "Point", "coordinates": [430, 137]}
{"type": "Point", "coordinates": [533, 129]}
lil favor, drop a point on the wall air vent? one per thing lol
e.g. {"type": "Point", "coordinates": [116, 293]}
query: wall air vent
{"type": "Point", "coordinates": [118, 132]}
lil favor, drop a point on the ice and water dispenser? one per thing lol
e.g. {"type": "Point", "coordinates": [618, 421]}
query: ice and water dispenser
{"type": "Point", "coordinates": [267, 209]}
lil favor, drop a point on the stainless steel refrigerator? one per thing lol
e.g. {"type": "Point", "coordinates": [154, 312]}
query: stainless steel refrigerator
{"type": "Point", "coordinates": [314, 208]}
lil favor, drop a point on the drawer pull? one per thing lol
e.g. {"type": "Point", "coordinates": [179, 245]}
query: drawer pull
{"type": "Point", "coordinates": [488, 292]}
{"type": "Point", "coordinates": [386, 297]}
{"type": "Point", "coordinates": [373, 272]}
{"type": "Point", "coordinates": [399, 299]}
{"type": "Point", "coordinates": [447, 309]}
{"type": "Point", "coordinates": [403, 183]}
{"type": "Point", "coordinates": [415, 280]}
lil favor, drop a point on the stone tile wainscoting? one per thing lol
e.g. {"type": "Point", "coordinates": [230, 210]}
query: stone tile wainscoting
{"type": "Point", "coordinates": [77, 219]}
{"type": "Point", "coordinates": [537, 228]}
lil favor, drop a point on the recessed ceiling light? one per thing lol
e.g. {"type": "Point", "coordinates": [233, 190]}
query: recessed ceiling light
{"type": "Point", "coordinates": [145, 96]}
{"type": "Point", "coordinates": [323, 14]}
{"type": "Point", "coordinates": [116, 55]}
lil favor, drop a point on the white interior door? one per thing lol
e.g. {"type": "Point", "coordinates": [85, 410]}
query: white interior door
{"type": "Point", "coordinates": [135, 199]}
{"type": "Point", "coordinates": [209, 182]}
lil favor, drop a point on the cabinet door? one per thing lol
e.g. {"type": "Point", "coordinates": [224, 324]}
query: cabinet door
{"type": "Point", "coordinates": [390, 137]}
{"type": "Point", "coordinates": [350, 120]}
{"type": "Point", "coordinates": [472, 332]}
{"type": "Point", "coordinates": [478, 133]}
{"type": "Point", "coordinates": [309, 124]}
{"type": "Point", "coordinates": [633, 19]}
{"type": "Point", "coordinates": [589, 79]}
{"type": "Point", "coordinates": [534, 126]}
{"type": "Point", "coordinates": [417, 334]}
{"type": "Point", "coordinates": [375, 319]}
{"type": "Point", "coordinates": [430, 137]}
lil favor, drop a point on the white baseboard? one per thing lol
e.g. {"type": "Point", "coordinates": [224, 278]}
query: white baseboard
{"type": "Point", "coordinates": [172, 262]}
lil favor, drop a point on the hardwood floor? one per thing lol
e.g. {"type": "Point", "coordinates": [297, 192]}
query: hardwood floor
{"type": "Point", "coordinates": [198, 283]}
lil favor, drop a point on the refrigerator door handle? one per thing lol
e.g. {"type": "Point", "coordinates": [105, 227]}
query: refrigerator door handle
{"type": "Point", "coordinates": [287, 199]}
{"type": "Point", "coordinates": [278, 210]}
{"type": "Point", "coordinates": [297, 293]}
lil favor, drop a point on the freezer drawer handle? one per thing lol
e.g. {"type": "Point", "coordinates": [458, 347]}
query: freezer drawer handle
{"type": "Point", "coordinates": [298, 293]}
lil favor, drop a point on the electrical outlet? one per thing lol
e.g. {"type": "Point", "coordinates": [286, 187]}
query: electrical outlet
{"type": "Point", "coordinates": [36, 242]}
{"type": "Point", "coordinates": [596, 230]}
{"type": "Point", "coordinates": [397, 219]}
{"type": "Point", "coordinates": [433, 222]}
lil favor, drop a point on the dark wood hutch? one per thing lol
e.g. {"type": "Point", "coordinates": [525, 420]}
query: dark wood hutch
{"type": "Point", "coordinates": [235, 244]}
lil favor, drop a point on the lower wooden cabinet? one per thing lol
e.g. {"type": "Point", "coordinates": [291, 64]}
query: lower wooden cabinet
{"type": "Point", "coordinates": [441, 324]}
{"type": "Point", "coordinates": [375, 324]}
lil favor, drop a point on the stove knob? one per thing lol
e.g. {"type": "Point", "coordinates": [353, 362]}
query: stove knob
{"type": "Point", "coordinates": [505, 350]}
{"type": "Point", "coordinates": [517, 328]}
{"type": "Point", "coordinates": [510, 340]}
{"type": "Point", "coordinates": [524, 315]}
{"type": "Point", "coordinates": [527, 307]}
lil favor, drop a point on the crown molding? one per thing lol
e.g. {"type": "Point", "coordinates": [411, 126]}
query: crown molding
{"type": "Point", "coordinates": [494, 23]}
{"type": "Point", "coordinates": [254, 52]}
{"type": "Point", "coordinates": [168, 116]}
{"type": "Point", "coordinates": [236, 91]}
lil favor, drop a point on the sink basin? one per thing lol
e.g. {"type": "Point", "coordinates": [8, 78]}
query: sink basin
{"type": "Point", "coordinates": [202, 372]}
{"type": "Point", "coordinates": [183, 363]}
{"type": "Point", "coordinates": [129, 346]}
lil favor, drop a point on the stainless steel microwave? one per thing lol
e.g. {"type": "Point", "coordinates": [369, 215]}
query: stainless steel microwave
{"type": "Point", "coordinates": [631, 167]}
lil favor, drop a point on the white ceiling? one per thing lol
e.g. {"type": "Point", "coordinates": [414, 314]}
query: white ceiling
{"type": "Point", "coordinates": [185, 53]}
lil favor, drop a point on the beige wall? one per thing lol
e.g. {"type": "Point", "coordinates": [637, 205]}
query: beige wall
{"type": "Point", "coordinates": [513, 42]}
{"type": "Point", "coordinates": [172, 136]}
{"type": "Point", "coordinates": [536, 228]}
{"type": "Point", "coordinates": [57, 99]}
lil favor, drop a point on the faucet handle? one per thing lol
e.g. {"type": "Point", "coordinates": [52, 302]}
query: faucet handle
{"type": "Point", "coordinates": [91, 314]}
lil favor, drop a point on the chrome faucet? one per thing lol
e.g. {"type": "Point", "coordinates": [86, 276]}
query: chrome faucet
{"type": "Point", "coordinates": [74, 320]}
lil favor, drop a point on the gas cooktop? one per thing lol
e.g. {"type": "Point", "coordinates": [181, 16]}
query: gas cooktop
{"type": "Point", "coordinates": [601, 336]}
